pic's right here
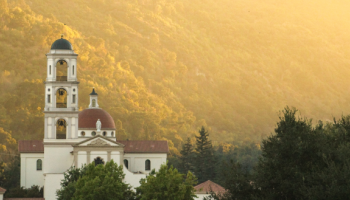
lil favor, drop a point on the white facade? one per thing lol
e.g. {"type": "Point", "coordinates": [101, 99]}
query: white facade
{"type": "Point", "coordinates": [137, 161]}
{"type": "Point", "coordinates": [75, 147]}
{"type": "Point", "coordinates": [201, 196]}
{"type": "Point", "coordinates": [2, 193]}
{"type": "Point", "coordinates": [30, 175]}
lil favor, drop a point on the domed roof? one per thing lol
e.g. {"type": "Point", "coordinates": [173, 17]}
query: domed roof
{"type": "Point", "coordinates": [62, 44]}
{"type": "Point", "coordinates": [89, 117]}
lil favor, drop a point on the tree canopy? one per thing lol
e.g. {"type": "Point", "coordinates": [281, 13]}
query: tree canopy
{"type": "Point", "coordinates": [299, 161]}
{"type": "Point", "coordinates": [167, 183]}
{"type": "Point", "coordinates": [95, 182]}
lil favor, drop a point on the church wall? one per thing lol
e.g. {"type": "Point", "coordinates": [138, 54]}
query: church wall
{"type": "Point", "coordinates": [29, 173]}
{"type": "Point", "coordinates": [86, 157]}
{"type": "Point", "coordinates": [88, 133]}
{"type": "Point", "coordinates": [115, 156]}
{"type": "Point", "coordinates": [132, 179]}
{"type": "Point", "coordinates": [101, 154]}
{"type": "Point", "coordinates": [201, 196]}
{"type": "Point", "coordinates": [52, 184]}
{"type": "Point", "coordinates": [137, 161]}
{"type": "Point", "coordinates": [82, 158]}
{"type": "Point", "coordinates": [57, 158]}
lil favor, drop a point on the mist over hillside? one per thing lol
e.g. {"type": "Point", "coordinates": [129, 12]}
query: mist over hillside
{"type": "Point", "coordinates": [163, 69]}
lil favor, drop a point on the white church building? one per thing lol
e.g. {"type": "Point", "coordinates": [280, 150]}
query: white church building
{"type": "Point", "coordinates": [75, 138]}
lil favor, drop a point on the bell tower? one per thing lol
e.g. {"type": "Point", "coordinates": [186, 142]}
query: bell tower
{"type": "Point", "coordinates": [61, 92]}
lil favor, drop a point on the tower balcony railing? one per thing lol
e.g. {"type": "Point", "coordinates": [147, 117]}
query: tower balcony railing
{"type": "Point", "coordinates": [61, 78]}
{"type": "Point", "coordinates": [61, 105]}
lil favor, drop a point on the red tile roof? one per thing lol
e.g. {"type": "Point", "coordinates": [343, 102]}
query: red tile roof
{"type": "Point", "coordinates": [2, 190]}
{"type": "Point", "coordinates": [145, 146]}
{"type": "Point", "coordinates": [88, 118]}
{"type": "Point", "coordinates": [207, 187]}
{"type": "Point", "coordinates": [30, 146]}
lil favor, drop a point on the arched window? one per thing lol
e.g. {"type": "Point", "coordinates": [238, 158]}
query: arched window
{"type": "Point", "coordinates": [148, 165]}
{"type": "Point", "coordinates": [93, 103]}
{"type": "Point", "coordinates": [50, 69]}
{"type": "Point", "coordinates": [98, 161]}
{"type": "Point", "coordinates": [112, 134]}
{"type": "Point", "coordinates": [61, 70]}
{"type": "Point", "coordinates": [82, 133]}
{"type": "Point", "coordinates": [126, 163]}
{"type": "Point", "coordinates": [93, 133]}
{"type": "Point", "coordinates": [61, 98]}
{"type": "Point", "coordinates": [61, 127]}
{"type": "Point", "coordinates": [73, 69]}
{"type": "Point", "coordinates": [39, 165]}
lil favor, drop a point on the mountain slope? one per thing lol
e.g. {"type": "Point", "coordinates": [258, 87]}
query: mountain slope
{"type": "Point", "coordinates": [165, 68]}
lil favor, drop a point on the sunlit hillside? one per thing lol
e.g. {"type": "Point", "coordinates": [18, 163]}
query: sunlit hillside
{"type": "Point", "coordinates": [165, 68]}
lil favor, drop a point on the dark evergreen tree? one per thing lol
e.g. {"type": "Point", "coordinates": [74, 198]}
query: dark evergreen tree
{"type": "Point", "coordinates": [204, 157]}
{"type": "Point", "coordinates": [237, 181]}
{"type": "Point", "coordinates": [187, 156]}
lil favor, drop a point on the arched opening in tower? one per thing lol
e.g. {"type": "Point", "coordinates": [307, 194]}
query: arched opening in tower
{"type": "Point", "coordinates": [61, 98]}
{"type": "Point", "coordinates": [61, 70]}
{"type": "Point", "coordinates": [61, 128]}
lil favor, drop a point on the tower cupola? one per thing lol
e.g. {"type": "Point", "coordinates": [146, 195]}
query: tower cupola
{"type": "Point", "coordinates": [93, 99]}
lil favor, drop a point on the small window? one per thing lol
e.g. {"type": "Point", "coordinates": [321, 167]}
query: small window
{"type": "Point", "coordinates": [104, 133]}
{"type": "Point", "coordinates": [49, 98]}
{"type": "Point", "coordinates": [82, 133]}
{"type": "Point", "coordinates": [148, 165]}
{"type": "Point", "coordinates": [73, 69]}
{"type": "Point", "coordinates": [74, 90]}
{"type": "Point", "coordinates": [50, 69]}
{"type": "Point", "coordinates": [73, 98]}
{"type": "Point", "coordinates": [48, 90]}
{"type": "Point", "coordinates": [93, 103]}
{"type": "Point", "coordinates": [39, 165]}
{"type": "Point", "coordinates": [126, 163]}
{"type": "Point", "coordinates": [98, 161]}
{"type": "Point", "coordinates": [112, 134]}
{"type": "Point", "coordinates": [93, 133]}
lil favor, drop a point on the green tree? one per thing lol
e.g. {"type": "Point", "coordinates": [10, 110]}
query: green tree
{"type": "Point", "coordinates": [237, 182]}
{"type": "Point", "coordinates": [287, 158]}
{"type": "Point", "coordinates": [68, 184]}
{"type": "Point", "coordinates": [187, 156]}
{"type": "Point", "coordinates": [20, 192]}
{"type": "Point", "coordinates": [204, 157]}
{"type": "Point", "coordinates": [10, 173]}
{"type": "Point", "coordinates": [168, 184]}
{"type": "Point", "coordinates": [95, 182]}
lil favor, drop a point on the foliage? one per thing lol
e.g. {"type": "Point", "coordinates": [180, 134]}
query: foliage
{"type": "Point", "coordinates": [187, 156]}
{"type": "Point", "coordinates": [164, 69]}
{"type": "Point", "coordinates": [300, 161]}
{"type": "Point", "coordinates": [8, 146]}
{"type": "Point", "coordinates": [246, 154]}
{"type": "Point", "coordinates": [204, 157]}
{"type": "Point", "coordinates": [21, 192]}
{"type": "Point", "coordinates": [68, 184]}
{"type": "Point", "coordinates": [10, 176]}
{"type": "Point", "coordinates": [95, 182]}
{"type": "Point", "coordinates": [167, 183]}
{"type": "Point", "coordinates": [237, 182]}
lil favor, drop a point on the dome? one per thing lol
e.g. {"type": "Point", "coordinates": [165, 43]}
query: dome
{"type": "Point", "coordinates": [62, 44]}
{"type": "Point", "coordinates": [89, 117]}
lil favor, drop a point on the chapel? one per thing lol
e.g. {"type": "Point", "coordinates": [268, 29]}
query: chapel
{"type": "Point", "coordinates": [74, 138]}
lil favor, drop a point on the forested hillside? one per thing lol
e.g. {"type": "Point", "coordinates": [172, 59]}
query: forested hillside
{"type": "Point", "coordinates": [164, 68]}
